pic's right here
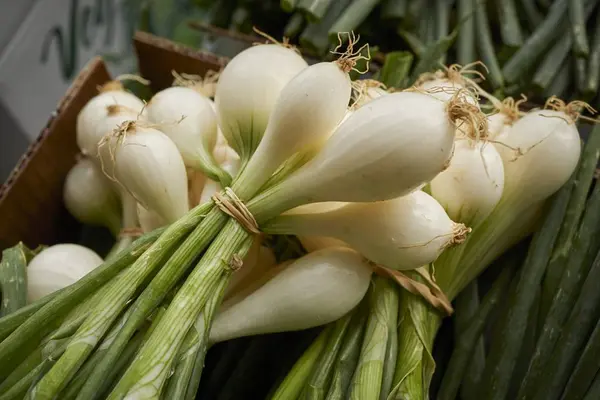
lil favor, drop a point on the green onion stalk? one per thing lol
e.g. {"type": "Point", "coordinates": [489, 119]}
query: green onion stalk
{"type": "Point", "coordinates": [374, 372]}
{"type": "Point", "coordinates": [326, 368]}
{"type": "Point", "coordinates": [161, 258]}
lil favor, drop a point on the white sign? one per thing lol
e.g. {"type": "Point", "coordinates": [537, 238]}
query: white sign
{"type": "Point", "coordinates": [55, 41]}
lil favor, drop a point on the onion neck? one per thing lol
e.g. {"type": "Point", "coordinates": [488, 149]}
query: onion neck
{"type": "Point", "coordinates": [278, 199]}
{"type": "Point", "coordinates": [129, 210]}
{"type": "Point", "coordinates": [417, 332]}
{"type": "Point", "coordinates": [112, 222]}
{"type": "Point", "coordinates": [257, 171]}
{"type": "Point", "coordinates": [301, 224]}
{"type": "Point", "coordinates": [206, 163]}
{"type": "Point", "coordinates": [506, 226]}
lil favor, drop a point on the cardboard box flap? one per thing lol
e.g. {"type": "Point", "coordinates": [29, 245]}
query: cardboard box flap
{"type": "Point", "coordinates": [31, 205]}
{"type": "Point", "coordinates": [31, 200]}
{"type": "Point", "coordinates": [158, 57]}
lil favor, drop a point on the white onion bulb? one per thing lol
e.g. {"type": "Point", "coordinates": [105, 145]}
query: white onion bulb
{"type": "Point", "coordinates": [366, 90]}
{"type": "Point", "coordinates": [248, 89]}
{"type": "Point", "coordinates": [315, 208]}
{"type": "Point", "coordinates": [549, 144]}
{"type": "Point", "coordinates": [89, 196]}
{"type": "Point", "coordinates": [307, 111]}
{"type": "Point", "coordinates": [498, 126]}
{"type": "Point", "coordinates": [402, 233]}
{"type": "Point", "coordinates": [96, 110]}
{"type": "Point", "coordinates": [57, 267]}
{"type": "Point", "coordinates": [314, 290]}
{"type": "Point", "coordinates": [442, 89]}
{"type": "Point", "coordinates": [105, 127]}
{"type": "Point", "coordinates": [385, 149]}
{"type": "Point", "coordinates": [472, 185]}
{"type": "Point", "coordinates": [148, 164]}
{"type": "Point", "coordinates": [149, 220]}
{"type": "Point", "coordinates": [188, 118]}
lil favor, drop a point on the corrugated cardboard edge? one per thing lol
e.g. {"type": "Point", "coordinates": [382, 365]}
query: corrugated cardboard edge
{"type": "Point", "coordinates": [31, 204]}
{"type": "Point", "coordinates": [158, 57]}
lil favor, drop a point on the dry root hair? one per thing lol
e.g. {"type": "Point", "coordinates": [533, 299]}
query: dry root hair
{"type": "Point", "coordinates": [510, 108]}
{"type": "Point", "coordinates": [573, 110]}
{"type": "Point", "coordinates": [459, 234]}
{"type": "Point", "coordinates": [466, 116]}
{"type": "Point", "coordinates": [360, 90]}
{"type": "Point", "coordinates": [348, 58]}
{"type": "Point", "coordinates": [206, 86]}
{"type": "Point", "coordinates": [285, 42]}
{"type": "Point", "coordinates": [463, 75]}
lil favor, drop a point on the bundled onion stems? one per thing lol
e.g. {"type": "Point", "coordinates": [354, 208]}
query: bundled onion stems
{"type": "Point", "coordinates": [294, 382]}
{"type": "Point", "coordinates": [416, 331]}
{"type": "Point", "coordinates": [177, 276]}
{"type": "Point", "coordinates": [25, 329]}
{"type": "Point", "coordinates": [347, 358]}
{"type": "Point", "coordinates": [375, 370]}
{"type": "Point", "coordinates": [317, 384]}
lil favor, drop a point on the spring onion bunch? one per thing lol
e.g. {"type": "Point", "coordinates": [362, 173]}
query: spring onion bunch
{"type": "Point", "coordinates": [156, 300]}
{"type": "Point", "coordinates": [498, 184]}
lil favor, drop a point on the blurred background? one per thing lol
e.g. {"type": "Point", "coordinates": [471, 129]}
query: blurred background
{"type": "Point", "coordinates": [44, 44]}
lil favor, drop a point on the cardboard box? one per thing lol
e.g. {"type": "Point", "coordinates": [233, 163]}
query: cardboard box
{"type": "Point", "coordinates": [31, 205]}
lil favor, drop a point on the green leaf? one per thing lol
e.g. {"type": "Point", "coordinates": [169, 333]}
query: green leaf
{"type": "Point", "coordinates": [431, 55]}
{"type": "Point", "coordinates": [396, 68]}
